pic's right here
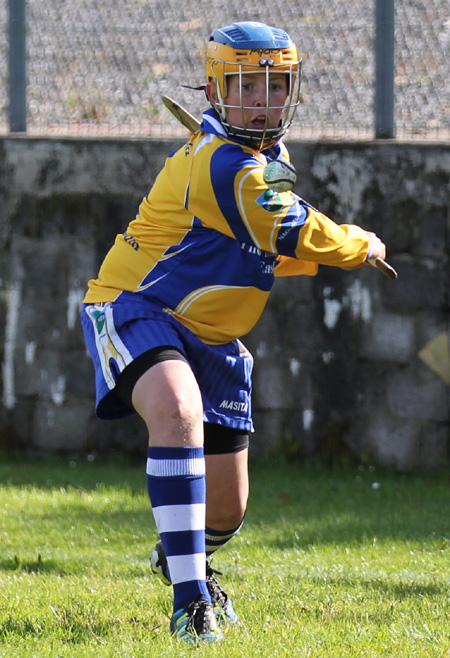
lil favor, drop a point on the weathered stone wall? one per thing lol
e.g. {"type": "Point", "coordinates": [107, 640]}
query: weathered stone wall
{"type": "Point", "coordinates": [337, 371]}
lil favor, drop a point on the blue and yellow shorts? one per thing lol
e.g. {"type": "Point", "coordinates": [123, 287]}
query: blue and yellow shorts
{"type": "Point", "coordinates": [125, 338]}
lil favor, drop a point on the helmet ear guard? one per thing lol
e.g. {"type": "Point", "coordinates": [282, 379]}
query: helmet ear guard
{"type": "Point", "coordinates": [248, 48]}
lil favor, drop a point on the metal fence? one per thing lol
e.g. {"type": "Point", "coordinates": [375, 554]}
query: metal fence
{"type": "Point", "coordinates": [99, 67]}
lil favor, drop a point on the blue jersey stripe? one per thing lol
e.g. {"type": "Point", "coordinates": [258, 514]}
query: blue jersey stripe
{"type": "Point", "coordinates": [291, 225]}
{"type": "Point", "coordinates": [229, 263]}
{"type": "Point", "coordinates": [226, 162]}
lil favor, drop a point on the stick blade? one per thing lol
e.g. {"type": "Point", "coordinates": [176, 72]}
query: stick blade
{"type": "Point", "coordinates": [384, 267]}
{"type": "Point", "coordinates": [180, 113]}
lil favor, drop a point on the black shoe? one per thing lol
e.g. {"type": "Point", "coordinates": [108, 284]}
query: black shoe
{"type": "Point", "coordinates": [223, 605]}
{"type": "Point", "coordinates": [196, 622]}
{"type": "Point", "coordinates": [158, 563]}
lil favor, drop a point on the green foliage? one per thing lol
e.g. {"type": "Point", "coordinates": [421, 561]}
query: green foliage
{"type": "Point", "coordinates": [330, 563]}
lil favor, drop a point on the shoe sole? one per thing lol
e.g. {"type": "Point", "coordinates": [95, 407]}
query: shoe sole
{"type": "Point", "coordinates": [158, 563]}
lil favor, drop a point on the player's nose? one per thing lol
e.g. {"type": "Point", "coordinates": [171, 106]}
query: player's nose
{"type": "Point", "coordinates": [259, 99]}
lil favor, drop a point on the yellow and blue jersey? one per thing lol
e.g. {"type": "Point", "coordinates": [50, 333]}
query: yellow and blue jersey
{"type": "Point", "coordinates": [210, 237]}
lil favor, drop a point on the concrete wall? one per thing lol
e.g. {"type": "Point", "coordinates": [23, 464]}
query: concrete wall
{"type": "Point", "coordinates": [337, 371]}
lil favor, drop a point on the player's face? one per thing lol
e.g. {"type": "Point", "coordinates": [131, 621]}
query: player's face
{"type": "Point", "coordinates": [247, 97]}
{"type": "Point", "coordinates": [250, 91]}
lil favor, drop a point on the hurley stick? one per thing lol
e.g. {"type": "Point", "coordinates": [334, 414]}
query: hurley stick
{"type": "Point", "coordinates": [183, 116]}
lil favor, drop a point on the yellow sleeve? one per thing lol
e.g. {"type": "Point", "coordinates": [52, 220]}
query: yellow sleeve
{"type": "Point", "coordinates": [323, 241]}
{"type": "Point", "coordinates": [287, 266]}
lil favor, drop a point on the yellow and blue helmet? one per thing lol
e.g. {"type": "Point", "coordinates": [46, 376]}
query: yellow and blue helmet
{"type": "Point", "coordinates": [252, 47]}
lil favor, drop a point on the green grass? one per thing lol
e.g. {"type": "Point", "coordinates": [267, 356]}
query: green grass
{"type": "Point", "coordinates": [326, 566]}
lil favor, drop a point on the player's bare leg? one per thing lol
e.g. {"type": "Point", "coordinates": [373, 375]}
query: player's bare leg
{"type": "Point", "coordinates": [226, 502]}
{"type": "Point", "coordinates": [227, 489]}
{"type": "Point", "coordinates": [168, 399]}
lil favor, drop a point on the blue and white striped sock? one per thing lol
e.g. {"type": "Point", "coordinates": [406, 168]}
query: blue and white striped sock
{"type": "Point", "coordinates": [215, 539]}
{"type": "Point", "coordinates": [177, 489]}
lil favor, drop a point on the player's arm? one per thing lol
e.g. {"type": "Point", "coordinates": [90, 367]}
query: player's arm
{"type": "Point", "coordinates": [272, 222]}
{"type": "Point", "coordinates": [293, 266]}
{"type": "Point", "coordinates": [282, 224]}
{"type": "Point", "coordinates": [321, 240]}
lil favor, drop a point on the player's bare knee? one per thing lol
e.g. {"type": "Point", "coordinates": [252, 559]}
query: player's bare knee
{"type": "Point", "coordinates": [177, 422]}
{"type": "Point", "coordinates": [226, 519]}
{"type": "Point", "coordinates": [186, 420]}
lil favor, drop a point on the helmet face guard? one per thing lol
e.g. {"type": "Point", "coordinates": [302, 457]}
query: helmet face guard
{"type": "Point", "coordinates": [251, 48]}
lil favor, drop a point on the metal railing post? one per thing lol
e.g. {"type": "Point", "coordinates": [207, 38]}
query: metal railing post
{"type": "Point", "coordinates": [384, 69]}
{"type": "Point", "coordinates": [17, 67]}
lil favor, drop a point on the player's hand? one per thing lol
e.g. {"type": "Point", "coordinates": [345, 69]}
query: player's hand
{"type": "Point", "coordinates": [377, 249]}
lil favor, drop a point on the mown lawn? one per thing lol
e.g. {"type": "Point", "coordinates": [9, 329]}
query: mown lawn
{"type": "Point", "coordinates": [351, 562]}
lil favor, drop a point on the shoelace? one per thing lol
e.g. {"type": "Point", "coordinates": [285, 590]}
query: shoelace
{"type": "Point", "coordinates": [200, 623]}
{"type": "Point", "coordinates": [216, 590]}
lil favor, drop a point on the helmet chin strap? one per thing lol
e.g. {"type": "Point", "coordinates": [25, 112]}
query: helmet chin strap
{"type": "Point", "coordinates": [258, 139]}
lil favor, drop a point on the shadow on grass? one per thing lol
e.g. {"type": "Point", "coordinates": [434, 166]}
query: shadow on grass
{"type": "Point", "coordinates": [400, 591]}
{"type": "Point", "coordinates": [390, 590]}
{"type": "Point", "coordinates": [84, 472]}
{"type": "Point", "coordinates": [31, 566]}
{"type": "Point", "coordinates": [299, 505]}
